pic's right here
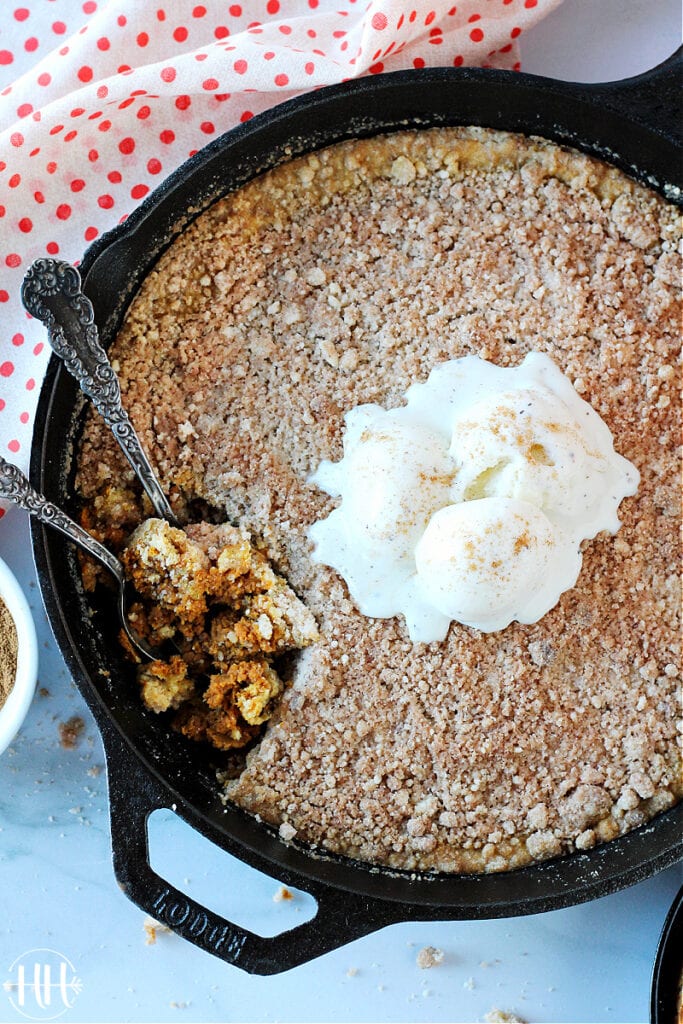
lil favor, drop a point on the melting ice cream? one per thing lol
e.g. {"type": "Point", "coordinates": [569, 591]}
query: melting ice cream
{"type": "Point", "coordinates": [469, 502]}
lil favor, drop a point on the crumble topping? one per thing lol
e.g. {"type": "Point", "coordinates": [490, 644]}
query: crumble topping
{"type": "Point", "coordinates": [342, 278]}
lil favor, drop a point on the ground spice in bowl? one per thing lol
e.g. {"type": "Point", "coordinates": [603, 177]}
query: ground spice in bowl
{"type": "Point", "coordinates": [8, 652]}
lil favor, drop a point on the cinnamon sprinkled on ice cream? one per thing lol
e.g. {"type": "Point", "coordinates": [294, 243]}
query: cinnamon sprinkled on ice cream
{"type": "Point", "coordinates": [470, 501]}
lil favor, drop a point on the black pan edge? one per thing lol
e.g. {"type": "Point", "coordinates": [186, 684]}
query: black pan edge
{"type": "Point", "coordinates": [630, 98]}
{"type": "Point", "coordinates": [605, 121]}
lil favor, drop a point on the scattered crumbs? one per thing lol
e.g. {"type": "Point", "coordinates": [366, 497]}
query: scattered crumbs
{"type": "Point", "coordinates": [95, 770]}
{"type": "Point", "coordinates": [286, 831]}
{"type": "Point", "coordinates": [469, 984]}
{"type": "Point", "coordinates": [352, 972]}
{"type": "Point", "coordinates": [429, 956]}
{"type": "Point", "coordinates": [178, 1006]}
{"type": "Point", "coordinates": [410, 944]}
{"type": "Point", "coordinates": [381, 988]}
{"type": "Point", "coordinates": [496, 1016]}
{"type": "Point", "coordinates": [152, 928]}
{"type": "Point", "coordinates": [75, 810]}
{"type": "Point", "coordinates": [43, 691]}
{"type": "Point", "coordinates": [426, 992]}
{"type": "Point", "coordinates": [70, 732]}
{"type": "Point", "coordinates": [282, 894]}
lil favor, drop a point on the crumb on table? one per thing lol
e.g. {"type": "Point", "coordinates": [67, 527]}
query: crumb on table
{"type": "Point", "coordinates": [429, 956]}
{"type": "Point", "coordinates": [496, 1016]}
{"type": "Point", "coordinates": [70, 732]}
{"type": "Point", "coordinates": [283, 894]}
{"type": "Point", "coordinates": [152, 929]}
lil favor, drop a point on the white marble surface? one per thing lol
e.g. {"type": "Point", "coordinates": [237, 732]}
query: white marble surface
{"type": "Point", "coordinates": [57, 889]}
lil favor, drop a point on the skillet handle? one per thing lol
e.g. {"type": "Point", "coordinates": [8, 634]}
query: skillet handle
{"type": "Point", "coordinates": [653, 98]}
{"type": "Point", "coordinates": [341, 917]}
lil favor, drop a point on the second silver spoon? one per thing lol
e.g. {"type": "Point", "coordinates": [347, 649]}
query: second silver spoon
{"type": "Point", "coordinates": [17, 488]}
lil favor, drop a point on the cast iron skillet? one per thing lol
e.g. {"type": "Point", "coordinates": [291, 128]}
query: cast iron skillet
{"type": "Point", "coordinates": [667, 972]}
{"type": "Point", "coordinates": [634, 125]}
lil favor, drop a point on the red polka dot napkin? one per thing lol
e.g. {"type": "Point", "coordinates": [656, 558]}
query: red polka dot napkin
{"type": "Point", "coordinates": [99, 100]}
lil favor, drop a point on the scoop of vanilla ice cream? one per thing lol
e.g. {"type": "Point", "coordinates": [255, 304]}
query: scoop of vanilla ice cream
{"type": "Point", "coordinates": [483, 562]}
{"type": "Point", "coordinates": [540, 442]}
{"type": "Point", "coordinates": [470, 501]}
{"type": "Point", "coordinates": [395, 474]}
{"type": "Point", "coordinates": [527, 444]}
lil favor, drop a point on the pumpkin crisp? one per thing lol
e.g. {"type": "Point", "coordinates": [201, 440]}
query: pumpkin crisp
{"type": "Point", "coordinates": [343, 277]}
{"type": "Point", "coordinates": [208, 590]}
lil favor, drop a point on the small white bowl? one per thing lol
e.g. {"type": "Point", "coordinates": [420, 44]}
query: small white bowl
{"type": "Point", "coordinates": [14, 710]}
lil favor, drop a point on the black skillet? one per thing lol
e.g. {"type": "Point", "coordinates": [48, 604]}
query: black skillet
{"type": "Point", "coordinates": [634, 125]}
{"type": "Point", "coordinates": [667, 973]}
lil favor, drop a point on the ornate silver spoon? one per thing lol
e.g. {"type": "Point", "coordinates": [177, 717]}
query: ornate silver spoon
{"type": "Point", "coordinates": [17, 488]}
{"type": "Point", "coordinates": [52, 293]}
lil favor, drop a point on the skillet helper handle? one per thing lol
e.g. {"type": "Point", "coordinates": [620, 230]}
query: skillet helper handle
{"type": "Point", "coordinates": [341, 917]}
{"type": "Point", "coordinates": [52, 293]}
{"type": "Point", "coordinates": [653, 98]}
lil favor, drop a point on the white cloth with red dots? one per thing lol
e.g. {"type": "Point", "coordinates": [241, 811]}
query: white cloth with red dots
{"type": "Point", "coordinates": [100, 100]}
